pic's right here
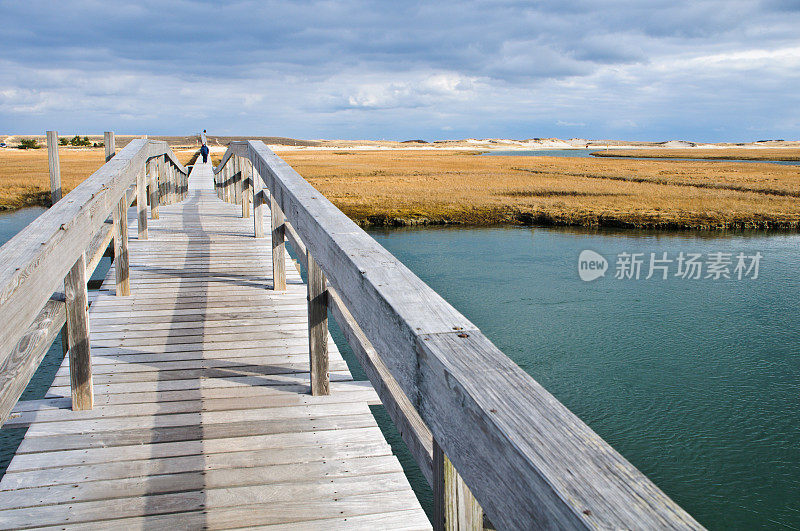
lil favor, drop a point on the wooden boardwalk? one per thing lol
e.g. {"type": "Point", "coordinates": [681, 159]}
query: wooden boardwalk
{"type": "Point", "coordinates": [202, 414]}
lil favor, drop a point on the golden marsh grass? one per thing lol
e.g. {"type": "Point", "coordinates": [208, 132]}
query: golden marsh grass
{"type": "Point", "coordinates": [407, 187]}
{"type": "Point", "coordinates": [401, 187]}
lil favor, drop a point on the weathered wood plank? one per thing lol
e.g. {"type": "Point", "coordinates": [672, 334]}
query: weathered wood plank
{"type": "Point", "coordinates": [247, 189]}
{"type": "Point", "coordinates": [33, 263]}
{"type": "Point", "coordinates": [484, 416]}
{"type": "Point", "coordinates": [80, 362]}
{"type": "Point", "coordinates": [317, 329]}
{"type": "Point", "coordinates": [406, 419]}
{"type": "Point", "coordinates": [292, 514]}
{"type": "Point", "coordinates": [141, 202]}
{"type": "Point", "coordinates": [17, 370]}
{"type": "Point", "coordinates": [201, 380]}
{"type": "Point", "coordinates": [203, 499]}
{"type": "Point", "coordinates": [259, 201]}
{"type": "Point", "coordinates": [152, 183]}
{"type": "Point", "coordinates": [110, 144]}
{"type": "Point", "coordinates": [54, 166]}
{"type": "Point", "coordinates": [214, 478]}
{"type": "Point", "coordinates": [278, 247]}
{"type": "Point", "coordinates": [121, 257]}
{"type": "Point", "coordinates": [454, 507]}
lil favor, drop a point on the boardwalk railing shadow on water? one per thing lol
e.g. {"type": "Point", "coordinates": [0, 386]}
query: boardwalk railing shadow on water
{"type": "Point", "coordinates": [494, 445]}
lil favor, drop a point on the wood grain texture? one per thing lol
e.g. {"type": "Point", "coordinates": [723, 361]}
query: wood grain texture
{"type": "Point", "coordinates": [454, 507]}
{"type": "Point", "coordinates": [109, 144]}
{"type": "Point", "coordinates": [152, 184]}
{"type": "Point", "coordinates": [141, 202]}
{"type": "Point", "coordinates": [54, 165]}
{"type": "Point", "coordinates": [121, 258]}
{"type": "Point", "coordinates": [406, 419]}
{"type": "Point", "coordinates": [34, 262]}
{"type": "Point", "coordinates": [80, 359]}
{"type": "Point", "coordinates": [278, 247]}
{"type": "Point", "coordinates": [247, 189]}
{"type": "Point", "coordinates": [317, 329]}
{"type": "Point", "coordinates": [20, 366]}
{"type": "Point", "coordinates": [259, 202]}
{"type": "Point", "coordinates": [526, 458]}
{"type": "Point", "coordinates": [202, 415]}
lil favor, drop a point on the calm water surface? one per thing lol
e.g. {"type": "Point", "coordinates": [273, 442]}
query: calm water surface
{"type": "Point", "coordinates": [697, 383]}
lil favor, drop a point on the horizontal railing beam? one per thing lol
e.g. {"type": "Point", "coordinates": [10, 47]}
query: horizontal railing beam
{"type": "Point", "coordinates": [526, 458]}
{"type": "Point", "coordinates": [34, 263]}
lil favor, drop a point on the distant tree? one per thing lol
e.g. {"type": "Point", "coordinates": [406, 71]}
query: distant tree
{"type": "Point", "coordinates": [29, 143]}
{"type": "Point", "coordinates": [80, 142]}
{"type": "Point", "coordinates": [63, 142]}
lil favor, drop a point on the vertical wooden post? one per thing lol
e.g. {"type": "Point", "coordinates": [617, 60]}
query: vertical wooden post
{"type": "Point", "coordinates": [80, 361]}
{"type": "Point", "coordinates": [237, 179]}
{"type": "Point", "coordinates": [172, 184]}
{"type": "Point", "coordinates": [109, 143]}
{"type": "Point", "coordinates": [141, 202]}
{"type": "Point", "coordinates": [258, 203]}
{"type": "Point", "coordinates": [247, 188]}
{"type": "Point", "coordinates": [317, 328]}
{"type": "Point", "coordinates": [454, 507]}
{"type": "Point", "coordinates": [169, 182]}
{"type": "Point", "coordinates": [226, 184]}
{"type": "Point", "coordinates": [155, 170]}
{"type": "Point", "coordinates": [120, 217]}
{"type": "Point", "coordinates": [55, 167]}
{"type": "Point", "coordinates": [278, 247]}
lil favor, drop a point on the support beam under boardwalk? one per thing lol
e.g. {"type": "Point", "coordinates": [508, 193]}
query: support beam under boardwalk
{"type": "Point", "coordinates": [203, 416]}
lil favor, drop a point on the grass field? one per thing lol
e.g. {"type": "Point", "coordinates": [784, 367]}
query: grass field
{"type": "Point", "coordinates": [699, 153]}
{"type": "Point", "coordinates": [415, 187]}
{"type": "Point", "coordinates": [407, 187]}
{"type": "Point", "coordinates": [25, 179]}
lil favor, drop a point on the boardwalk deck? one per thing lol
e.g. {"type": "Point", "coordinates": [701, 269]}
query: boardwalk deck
{"type": "Point", "coordinates": [202, 414]}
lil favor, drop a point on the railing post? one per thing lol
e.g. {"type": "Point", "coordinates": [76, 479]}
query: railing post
{"type": "Point", "coordinates": [109, 143]}
{"type": "Point", "coordinates": [173, 182]}
{"type": "Point", "coordinates": [141, 202]}
{"type": "Point", "coordinates": [170, 196]}
{"type": "Point", "coordinates": [229, 192]}
{"type": "Point", "coordinates": [454, 507]}
{"type": "Point", "coordinates": [120, 217]}
{"type": "Point", "coordinates": [278, 247]}
{"type": "Point", "coordinates": [247, 190]}
{"type": "Point", "coordinates": [237, 179]}
{"type": "Point", "coordinates": [55, 167]}
{"type": "Point", "coordinates": [155, 170]}
{"type": "Point", "coordinates": [225, 186]}
{"type": "Point", "coordinates": [317, 328]}
{"type": "Point", "coordinates": [258, 202]}
{"type": "Point", "coordinates": [80, 361]}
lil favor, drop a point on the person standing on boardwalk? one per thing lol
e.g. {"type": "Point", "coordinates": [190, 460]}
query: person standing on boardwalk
{"type": "Point", "coordinates": [204, 153]}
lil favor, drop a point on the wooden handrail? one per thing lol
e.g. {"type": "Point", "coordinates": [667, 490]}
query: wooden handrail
{"type": "Point", "coordinates": [35, 262]}
{"type": "Point", "coordinates": [527, 459]}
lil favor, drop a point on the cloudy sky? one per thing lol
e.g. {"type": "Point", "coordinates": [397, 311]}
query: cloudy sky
{"type": "Point", "coordinates": [699, 70]}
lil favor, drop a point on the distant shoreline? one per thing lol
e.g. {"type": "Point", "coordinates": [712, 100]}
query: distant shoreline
{"type": "Point", "coordinates": [742, 153]}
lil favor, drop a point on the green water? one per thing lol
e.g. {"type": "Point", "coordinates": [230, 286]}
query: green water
{"type": "Point", "coordinates": [696, 382]}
